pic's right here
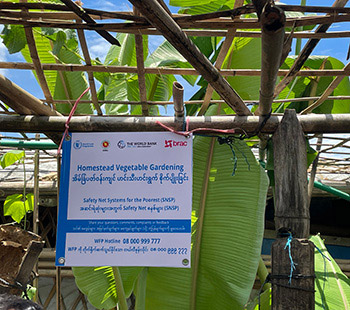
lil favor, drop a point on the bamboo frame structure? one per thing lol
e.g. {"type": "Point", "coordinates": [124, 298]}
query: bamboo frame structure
{"type": "Point", "coordinates": [151, 17]}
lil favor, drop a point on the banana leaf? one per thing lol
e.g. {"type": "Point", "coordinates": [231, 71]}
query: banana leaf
{"type": "Point", "coordinates": [229, 249]}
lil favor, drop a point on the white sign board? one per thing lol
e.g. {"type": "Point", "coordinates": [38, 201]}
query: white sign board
{"type": "Point", "coordinates": [125, 200]}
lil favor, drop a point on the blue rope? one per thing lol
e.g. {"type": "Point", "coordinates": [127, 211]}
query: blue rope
{"type": "Point", "coordinates": [292, 264]}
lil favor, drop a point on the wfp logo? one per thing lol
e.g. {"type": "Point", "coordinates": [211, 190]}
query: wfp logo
{"type": "Point", "coordinates": [172, 143]}
{"type": "Point", "coordinates": [77, 145]}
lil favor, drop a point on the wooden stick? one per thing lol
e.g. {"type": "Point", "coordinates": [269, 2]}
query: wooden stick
{"type": "Point", "coordinates": [37, 65]}
{"type": "Point", "coordinates": [141, 70]}
{"type": "Point", "coordinates": [92, 85]}
{"type": "Point", "coordinates": [313, 123]}
{"type": "Point", "coordinates": [305, 53]}
{"type": "Point", "coordinates": [220, 60]}
{"type": "Point", "coordinates": [310, 186]}
{"type": "Point", "coordinates": [332, 86]}
{"type": "Point", "coordinates": [161, 70]}
{"type": "Point", "coordinates": [218, 64]}
{"type": "Point", "coordinates": [87, 18]}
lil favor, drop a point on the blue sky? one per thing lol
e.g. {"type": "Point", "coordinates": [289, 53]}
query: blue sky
{"type": "Point", "coordinates": [98, 46]}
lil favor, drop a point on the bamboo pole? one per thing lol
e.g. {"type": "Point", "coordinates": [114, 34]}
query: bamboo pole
{"type": "Point", "coordinates": [313, 123]}
{"type": "Point", "coordinates": [60, 7]}
{"type": "Point", "coordinates": [219, 61]}
{"type": "Point", "coordinates": [225, 23]}
{"type": "Point", "coordinates": [310, 186]}
{"type": "Point", "coordinates": [58, 278]}
{"type": "Point", "coordinates": [128, 15]}
{"type": "Point", "coordinates": [173, 33]}
{"type": "Point", "coordinates": [92, 84]}
{"type": "Point", "coordinates": [87, 18]}
{"type": "Point", "coordinates": [60, 17]}
{"type": "Point", "coordinates": [178, 96]}
{"type": "Point", "coordinates": [162, 70]}
{"type": "Point", "coordinates": [21, 98]}
{"type": "Point", "coordinates": [247, 102]}
{"type": "Point", "coordinates": [306, 52]}
{"type": "Point", "coordinates": [141, 70]}
{"type": "Point", "coordinates": [37, 65]}
{"type": "Point", "coordinates": [36, 211]}
{"type": "Point", "coordinates": [272, 25]}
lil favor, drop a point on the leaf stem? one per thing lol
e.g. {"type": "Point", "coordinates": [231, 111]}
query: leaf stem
{"type": "Point", "coordinates": [141, 290]}
{"type": "Point", "coordinates": [120, 289]}
{"type": "Point", "coordinates": [24, 190]}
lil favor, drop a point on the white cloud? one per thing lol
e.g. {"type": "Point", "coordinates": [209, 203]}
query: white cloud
{"type": "Point", "coordinates": [99, 48]}
{"type": "Point", "coordinates": [3, 54]}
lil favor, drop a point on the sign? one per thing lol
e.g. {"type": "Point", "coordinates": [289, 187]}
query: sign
{"type": "Point", "coordinates": [125, 200]}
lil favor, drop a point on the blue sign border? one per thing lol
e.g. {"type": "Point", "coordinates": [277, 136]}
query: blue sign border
{"type": "Point", "coordinates": [101, 226]}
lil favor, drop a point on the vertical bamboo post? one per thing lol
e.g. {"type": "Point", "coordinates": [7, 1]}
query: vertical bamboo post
{"type": "Point", "coordinates": [178, 97]}
{"type": "Point", "coordinates": [292, 288]}
{"type": "Point", "coordinates": [36, 209]}
{"type": "Point", "coordinates": [58, 269]}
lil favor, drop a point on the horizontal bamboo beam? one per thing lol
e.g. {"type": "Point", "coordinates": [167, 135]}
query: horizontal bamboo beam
{"type": "Point", "coordinates": [248, 102]}
{"type": "Point", "coordinates": [160, 70]}
{"type": "Point", "coordinates": [130, 16]}
{"type": "Point", "coordinates": [64, 16]}
{"type": "Point", "coordinates": [314, 123]}
{"type": "Point", "coordinates": [63, 8]}
{"type": "Point", "coordinates": [226, 23]}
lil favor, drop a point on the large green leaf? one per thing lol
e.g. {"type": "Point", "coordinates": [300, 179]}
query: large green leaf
{"type": "Point", "coordinates": [14, 38]}
{"type": "Point", "coordinates": [14, 207]}
{"type": "Point", "coordinates": [167, 56]}
{"type": "Point", "coordinates": [331, 284]}
{"type": "Point", "coordinates": [11, 157]}
{"type": "Point", "coordinates": [301, 87]}
{"type": "Point", "coordinates": [98, 284]}
{"type": "Point", "coordinates": [230, 246]}
{"type": "Point", "coordinates": [63, 85]}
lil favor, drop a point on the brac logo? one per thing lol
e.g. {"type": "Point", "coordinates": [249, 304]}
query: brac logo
{"type": "Point", "coordinates": [172, 143]}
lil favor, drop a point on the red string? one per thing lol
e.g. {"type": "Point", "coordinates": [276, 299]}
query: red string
{"type": "Point", "coordinates": [188, 132]}
{"type": "Point", "coordinates": [69, 118]}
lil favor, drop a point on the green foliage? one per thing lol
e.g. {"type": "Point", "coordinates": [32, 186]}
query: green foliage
{"type": "Point", "coordinates": [16, 208]}
{"type": "Point", "coordinates": [331, 284]}
{"type": "Point", "coordinates": [53, 45]}
{"type": "Point", "coordinates": [14, 38]}
{"type": "Point", "coordinates": [230, 245]}
{"type": "Point", "coordinates": [98, 284]}
{"type": "Point", "coordinates": [124, 87]}
{"type": "Point", "coordinates": [303, 85]}
{"type": "Point", "coordinates": [10, 158]}
{"type": "Point", "coordinates": [265, 302]}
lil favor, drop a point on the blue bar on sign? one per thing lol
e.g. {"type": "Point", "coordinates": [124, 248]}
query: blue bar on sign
{"type": "Point", "coordinates": [128, 226]}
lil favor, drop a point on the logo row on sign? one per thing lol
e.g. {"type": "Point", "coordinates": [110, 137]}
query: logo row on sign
{"type": "Point", "coordinates": [105, 144]}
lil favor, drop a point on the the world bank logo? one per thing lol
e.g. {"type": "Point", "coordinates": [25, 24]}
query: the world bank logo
{"type": "Point", "coordinates": [121, 144]}
{"type": "Point", "coordinates": [77, 145]}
